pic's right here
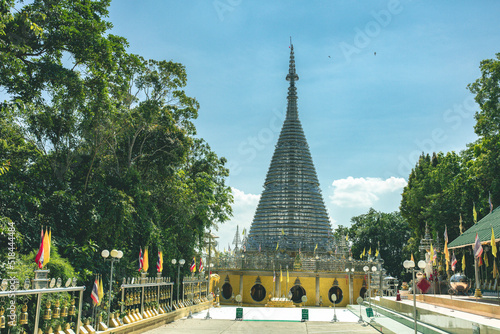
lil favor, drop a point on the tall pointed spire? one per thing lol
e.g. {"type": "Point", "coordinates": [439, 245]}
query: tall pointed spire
{"type": "Point", "coordinates": [291, 210]}
{"type": "Point", "coordinates": [292, 111]}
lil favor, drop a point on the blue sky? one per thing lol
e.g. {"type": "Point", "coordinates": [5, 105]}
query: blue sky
{"type": "Point", "coordinates": [367, 116]}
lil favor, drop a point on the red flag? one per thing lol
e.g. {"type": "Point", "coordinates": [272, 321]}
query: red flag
{"type": "Point", "coordinates": [141, 259]}
{"type": "Point", "coordinates": [39, 255]}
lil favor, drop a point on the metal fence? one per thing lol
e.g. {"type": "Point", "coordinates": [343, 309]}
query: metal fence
{"type": "Point", "coordinates": [301, 262]}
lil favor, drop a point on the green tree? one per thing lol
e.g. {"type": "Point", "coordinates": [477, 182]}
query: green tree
{"type": "Point", "coordinates": [483, 164]}
{"type": "Point", "coordinates": [101, 143]}
{"type": "Point", "coordinates": [387, 232]}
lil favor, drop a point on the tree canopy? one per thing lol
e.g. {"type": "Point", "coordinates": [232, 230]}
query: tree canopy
{"type": "Point", "coordinates": [98, 144]}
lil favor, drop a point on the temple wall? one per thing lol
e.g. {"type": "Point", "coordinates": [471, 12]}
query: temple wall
{"type": "Point", "coordinates": [241, 282]}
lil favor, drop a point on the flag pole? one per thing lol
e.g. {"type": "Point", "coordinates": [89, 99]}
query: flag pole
{"type": "Point", "coordinates": [94, 311]}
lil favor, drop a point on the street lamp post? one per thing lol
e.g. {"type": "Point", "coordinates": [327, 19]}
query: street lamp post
{"type": "Point", "coordinates": [181, 263]}
{"type": "Point", "coordinates": [116, 255]}
{"type": "Point", "coordinates": [349, 271]}
{"type": "Point", "coordinates": [366, 269]}
{"type": "Point", "coordinates": [410, 265]}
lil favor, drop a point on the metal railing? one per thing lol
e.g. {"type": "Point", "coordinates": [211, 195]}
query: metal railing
{"type": "Point", "coordinates": [41, 286]}
{"type": "Point", "coordinates": [148, 293]}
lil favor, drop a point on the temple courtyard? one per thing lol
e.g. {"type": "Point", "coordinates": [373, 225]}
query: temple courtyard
{"type": "Point", "coordinates": [261, 320]}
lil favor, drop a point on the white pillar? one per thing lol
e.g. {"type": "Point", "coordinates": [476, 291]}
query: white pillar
{"type": "Point", "coordinates": [317, 290]}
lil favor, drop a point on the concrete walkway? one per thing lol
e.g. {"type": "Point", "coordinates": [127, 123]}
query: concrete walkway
{"type": "Point", "coordinates": [265, 320]}
{"type": "Point", "coordinates": [197, 326]}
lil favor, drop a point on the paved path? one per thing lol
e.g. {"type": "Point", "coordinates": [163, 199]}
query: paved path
{"type": "Point", "coordinates": [263, 320]}
{"type": "Point", "coordinates": [195, 326]}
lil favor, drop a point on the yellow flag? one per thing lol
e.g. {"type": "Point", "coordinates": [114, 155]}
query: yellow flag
{"type": "Point", "coordinates": [282, 232]}
{"type": "Point", "coordinates": [376, 253]}
{"type": "Point", "coordinates": [370, 251]}
{"type": "Point", "coordinates": [485, 258]}
{"type": "Point", "coordinates": [446, 253]}
{"type": "Point", "coordinates": [46, 248]}
{"type": "Point", "coordinates": [463, 263]}
{"type": "Point", "coordinates": [277, 245]}
{"type": "Point", "coordinates": [287, 276]}
{"type": "Point", "coordinates": [161, 261]}
{"type": "Point", "coordinates": [474, 213]}
{"type": "Point", "coordinates": [145, 265]}
{"type": "Point", "coordinates": [412, 258]}
{"type": "Point", "coordinates": [362, 254]}
{"type": "Point", "coordinates": [461, 225]}
{"type": "Point", "coordinates": [493, 243]}
{"type": "Point", "coordinates": [50, 239]}
{"type": "Point", "coordinates": [100, 293]}
{"type": "Point", "coordinates": [432, 256]}
{"type": "Point", "coordinates": [346, 237]}
{"type": "Point", "coordinates": [315, 247]}
{"type": "Point", "coordinates": [281, 275]}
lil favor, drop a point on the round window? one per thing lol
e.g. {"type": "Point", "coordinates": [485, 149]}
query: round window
{"type": "Point", "coordinates": [337, 292]}
{"type": "Point", "coordinates": [258, 292]}
{"type": "Point", "coordinates": [227, 291]}
{"type": "Point", "coordinates": [362, 292]}
{"type": "Point", "coordinates": [297, 293]}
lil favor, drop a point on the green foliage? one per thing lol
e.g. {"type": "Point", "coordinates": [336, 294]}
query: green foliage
{"type": "Point", "coordinates": [99, 144]}
{"type": "Point", "coordinates": [387, 232]}
{"type": "Point", "coordinates": [487, 90]}
{"type": "Point", "coordinates": [444, 187]}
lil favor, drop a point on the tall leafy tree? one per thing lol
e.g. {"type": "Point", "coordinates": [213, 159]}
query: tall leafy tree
{"type": "Point", "coordinates": [387, 232]}
{"type": "Point", "coordinates": [99, 144]}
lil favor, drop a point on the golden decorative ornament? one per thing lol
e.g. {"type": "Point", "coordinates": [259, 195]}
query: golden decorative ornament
{"type": "Point", "coordinates": [57, 310]}
{"type": "Point", "coordinates": [23, 320]}
{"type": "Point", "coordinates": [72, 308]}
{"type": "Point", "coordinates": [2, 318]}
{"type": "Point", "coordinates": [47, 315]}
{"type": "Point", "coordinates": [64, 311]}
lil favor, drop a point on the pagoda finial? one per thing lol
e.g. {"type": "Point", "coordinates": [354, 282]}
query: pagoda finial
{"type": "Point", "coordinates": [236, 240]}
{"type": "Point", "coordinates": [292, 76]}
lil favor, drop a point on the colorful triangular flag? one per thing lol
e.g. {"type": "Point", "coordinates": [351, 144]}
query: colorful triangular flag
{"type": "Point", "coordinates": [493, 243]}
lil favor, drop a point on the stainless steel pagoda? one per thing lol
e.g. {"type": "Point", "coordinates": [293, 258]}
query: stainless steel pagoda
{"type": "Point", "coordinates": [291, 215]}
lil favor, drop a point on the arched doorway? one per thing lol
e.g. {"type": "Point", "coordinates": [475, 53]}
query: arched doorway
{"type": "Point", "coordinates": [227, 291]}
{"type": "Point", "coordinates": [337, 292]}
{"type": "Point", "coordinates": [258, 292]}
{"type": "Point", "coordinates": [297, 293]}
{"type": "Point", "coordinates": [362, 292]}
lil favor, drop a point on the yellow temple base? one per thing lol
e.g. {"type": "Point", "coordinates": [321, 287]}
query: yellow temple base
{"type": "Point", "coordinates": [280, 302]}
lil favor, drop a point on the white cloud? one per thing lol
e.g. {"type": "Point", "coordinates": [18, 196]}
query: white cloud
{"type": "Point", "coordinates": [245, 200]}
{"type": "Point", "coordinates": [364, 192]}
